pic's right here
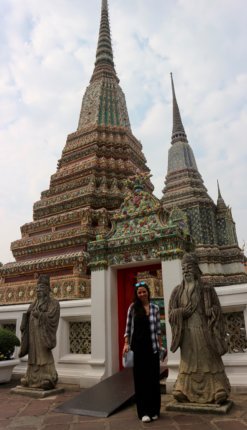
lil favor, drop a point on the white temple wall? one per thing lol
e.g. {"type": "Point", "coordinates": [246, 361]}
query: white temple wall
{"type": "Point", "coordinates": [12, 314]}
{"type": "Point", "coordinates": [105, 320]}
{"type": "Point", "coordinates": [73, 368]}
{"type": "Point", "coordinates": [233, 299]}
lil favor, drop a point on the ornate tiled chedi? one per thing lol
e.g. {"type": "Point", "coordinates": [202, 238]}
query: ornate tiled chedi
{"type": "Point", "coordinates": [211, 225]}
{"type": "Point", "coordinates": [90, 183]}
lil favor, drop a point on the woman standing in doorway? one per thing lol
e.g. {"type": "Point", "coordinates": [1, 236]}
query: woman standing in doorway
{"type": "Point", "coordinates": [143, 336]}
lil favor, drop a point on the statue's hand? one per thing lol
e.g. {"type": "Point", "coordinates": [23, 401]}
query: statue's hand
{"type": "Point", "coordinates": [187, 311]}
{"type": "Point", "coordinates": [35, 314]}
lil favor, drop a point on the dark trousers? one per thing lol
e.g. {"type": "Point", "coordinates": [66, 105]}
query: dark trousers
{"type": "Point", "coordinates": [147, 386]}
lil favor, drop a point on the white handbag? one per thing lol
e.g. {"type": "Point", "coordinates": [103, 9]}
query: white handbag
{"type": "Point", "coordinates": [128, 359]}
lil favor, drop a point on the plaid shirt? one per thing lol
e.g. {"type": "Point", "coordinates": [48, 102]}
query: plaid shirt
{"type": "Point", "coordinates": [154, 321]}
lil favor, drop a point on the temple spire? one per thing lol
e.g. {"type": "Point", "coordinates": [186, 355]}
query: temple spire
{"type": "Point", "coordinates": [220, 202]}
{"type": "Point", "coordinates": [104, 103]}
{"type": "Point", "coordinates": [219, 193]}
{"type": "Point", "coordinates": [104, 63]}
{"type": "Point", "coordinates": [178, 133]}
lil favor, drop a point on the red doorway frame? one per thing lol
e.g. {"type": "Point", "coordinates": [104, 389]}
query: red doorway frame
{"type": "Point", "coordinates": [126, 278]}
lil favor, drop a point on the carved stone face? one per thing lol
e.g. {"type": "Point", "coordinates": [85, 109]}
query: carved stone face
{"type": "Point", "coordinates": [189, 272]}
{"type": "Point", "coordinates": [42, 290]}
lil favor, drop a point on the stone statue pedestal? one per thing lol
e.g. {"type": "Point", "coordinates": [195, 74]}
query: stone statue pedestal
{"type": "Point", "coordinates": [36, 393]}
{"type": "Point", "coordinates": [206, 408]}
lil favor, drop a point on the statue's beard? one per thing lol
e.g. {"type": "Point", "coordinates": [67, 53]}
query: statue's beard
{"type": "Point", "coordinates": [41, 304]}
{"type": "Point", "coordinates": [189, 289]}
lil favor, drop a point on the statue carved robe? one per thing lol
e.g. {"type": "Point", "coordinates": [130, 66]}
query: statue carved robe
{"type": "Point", "coordinates": [200, 334]}
{"type": "Point", "coordinates": [39, 328]}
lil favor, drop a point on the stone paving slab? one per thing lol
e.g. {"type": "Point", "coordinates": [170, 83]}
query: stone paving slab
{"type": "Point", "coordinates": [24, 413]}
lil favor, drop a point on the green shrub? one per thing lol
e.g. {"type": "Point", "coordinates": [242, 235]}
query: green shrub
{"type": "Point", "coordinates": [8, 341]}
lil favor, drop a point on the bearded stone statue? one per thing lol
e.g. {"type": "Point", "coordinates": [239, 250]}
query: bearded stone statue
{"type": "Point", "coordinates": [198, 329]}
{"type": "Point", "coordinates": [39, 327]}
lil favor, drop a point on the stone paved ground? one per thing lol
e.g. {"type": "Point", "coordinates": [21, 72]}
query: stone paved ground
{"type": "Point", "coordinates": [23, 413]}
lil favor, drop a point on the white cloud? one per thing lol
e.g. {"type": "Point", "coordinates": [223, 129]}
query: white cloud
{"type": "Point", "coordinates": [47, 57]}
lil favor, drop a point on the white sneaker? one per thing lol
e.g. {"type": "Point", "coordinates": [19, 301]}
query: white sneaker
{"type": "Point", "coordinates": [155, 417]}
{"type": "Point", "coordinates": [146, 419]}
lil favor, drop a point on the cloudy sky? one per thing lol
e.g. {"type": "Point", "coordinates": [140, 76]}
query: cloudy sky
{"type": "Point", "coordinates": [46, 59]}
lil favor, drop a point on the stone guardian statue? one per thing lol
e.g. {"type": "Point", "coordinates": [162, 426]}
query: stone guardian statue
{"type": "Point", "coordinates": [198, 329]}
{"type": "Point", "coordinates": [38, 328]}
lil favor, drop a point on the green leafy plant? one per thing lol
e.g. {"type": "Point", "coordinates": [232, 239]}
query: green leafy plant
{"type": "Point", "coordinates": [8, 341]}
